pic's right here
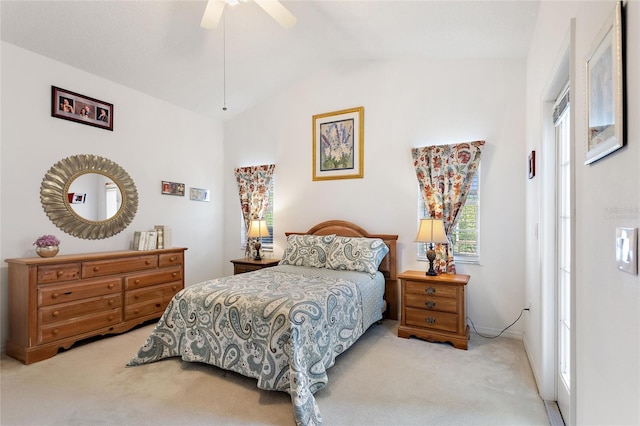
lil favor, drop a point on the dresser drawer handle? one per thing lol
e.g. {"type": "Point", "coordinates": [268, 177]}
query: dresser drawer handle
{"type": "Point", "coordinates": [148, 262]}
{"type": "Point", "coordinates": [110, 302]}
{"type": "Point", "coordinates": [158, 305]}
{"type": "Point", "coordinates": [174, 288]}
{"type": "Point", "coordinates": [55, 295]}
{"type": "Point", "coordinates": [430, 320]}
{"type": "Point", "coordinates": [110, 285]}
{"type": "Point", "coordinates": [173, 258]}
{"type": "Point", "coordinates": [96, 268]}
{"type": "Point", "coordinates": [430, 290]}
{"type": "Point", "coordinates": [137, 281]}
{"type": "Point", "coordinates": [55, 313]}
{"type": "Point", "coordinates": [430, 304]}
{"type": "Point", "coordinates": [175, 274]}
{"type": "Point", "coordinates": [136, 311]}
{"type": "Point", "coordinates": [60, 273]}
{"type": "Point", "coordinates": [55, 332]}
{"type": "Point", "coordinates": [110, 318]}
{"type": "Point", "coordinates": [135, 296]}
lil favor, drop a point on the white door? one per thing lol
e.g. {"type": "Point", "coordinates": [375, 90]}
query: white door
{"type": "Point", "coordinates": [564, 252]}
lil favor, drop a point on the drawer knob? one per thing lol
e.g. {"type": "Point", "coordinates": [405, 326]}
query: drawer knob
{"type": "Point", "coordinates": [174, 288]}
{"type": "Point", "coordinates": [60, 273]}
{"type": "Point", "coordinates": [172, 259]}
{"type": "Point", "coordinates": [55, 332]}
{"type": "Point", "coordinates": [175, 274]}
{"type": "Point", "coordinates": [137, 281]}
{"type": "Point", "coordinates": [135, 296]}
{"type": "Point", "coordinates": [136, 311]}
{"type": "Point", "coordinates": [430, 304]}
{"type": "Point", "coordinates": [430, 320]}
{"type": "Point", "coordinates": [158, 305]}
{"type": "Point", "coordinates": [430, 290]}
{"type": "Point", "coordinates": [110, 285]}
{"type": "Point", "coordinates": [148, 262]}
{"type": "Point", "coordinates": [110, 318]}
{"type": "Point", "coordinates": [55, 314]}
{"type": "Point", "coordinates": [110, 302]}
{"type": "Point", "coordinates": [55, 295]}
{"type": "Point", "coordinates": [96, 268]}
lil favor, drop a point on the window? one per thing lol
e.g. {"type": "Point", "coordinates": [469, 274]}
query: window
{"type": "Point", "coordinates": [466, 235]}
{"type": "Point", "coordinates": [267, 242]}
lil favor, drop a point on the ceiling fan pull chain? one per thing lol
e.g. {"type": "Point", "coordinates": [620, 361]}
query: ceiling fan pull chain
{"type": "Point", "coordinates": [224, 63]}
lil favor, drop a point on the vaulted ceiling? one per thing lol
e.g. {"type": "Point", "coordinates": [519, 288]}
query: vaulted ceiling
{"type": "Point", "coordinates": [159, 48]}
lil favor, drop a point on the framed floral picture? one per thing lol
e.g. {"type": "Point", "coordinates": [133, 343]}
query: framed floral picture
{"type": "Point", "coordinates": [82, 109]}
{"type": "Point", "coordinates": [338, 144]}
{"type": "Point", "coordinates": [605, 96]}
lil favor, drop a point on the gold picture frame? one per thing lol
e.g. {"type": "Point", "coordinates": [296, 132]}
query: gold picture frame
{"type": "Point", "coordinates": [605, 96]}
{"type": "Point", "coordinates": [338, 144]}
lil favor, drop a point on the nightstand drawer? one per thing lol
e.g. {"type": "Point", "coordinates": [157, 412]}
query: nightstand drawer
{"type": "Point", "coordinates": [432, 319]}
{"type": "Point", "coordinates": [241, 269]}
{"type": "Point", "coordinates": [441, 304]}
{"type": "Point", "coordinates": [431, 289]}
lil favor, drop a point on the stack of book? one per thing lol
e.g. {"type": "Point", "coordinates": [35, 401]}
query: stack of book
{"type": "Point", "coordinates": [158, 238]}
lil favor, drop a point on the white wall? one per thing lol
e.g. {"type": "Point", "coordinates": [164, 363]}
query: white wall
{"type": "Point", "coordinates": [152, 140]}
{"type": "Point", "coordinates": [607, 195]}
{"type": "Point", "coordinates": [406, 105]}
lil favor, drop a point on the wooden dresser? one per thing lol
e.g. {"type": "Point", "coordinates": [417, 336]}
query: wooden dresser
{"type": "Point", "coordinates": [433, 307]}
{"type": "Point", "coordinates": [57, 301]}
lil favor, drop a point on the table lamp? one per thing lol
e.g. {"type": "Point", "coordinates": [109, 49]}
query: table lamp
{"type": "Point", "coordinates": [431, 231]}
{"type": "Point", "coordinates": [258, 229]}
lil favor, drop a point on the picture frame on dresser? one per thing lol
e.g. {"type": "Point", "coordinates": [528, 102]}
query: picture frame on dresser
{"type": "Point", "coordinates": [338, 144]}
{"type": "Point", "coordinates": [605, 90]}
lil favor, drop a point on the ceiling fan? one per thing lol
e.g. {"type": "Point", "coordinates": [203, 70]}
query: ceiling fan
{"type": "Point", "coordinates": [213, 12]}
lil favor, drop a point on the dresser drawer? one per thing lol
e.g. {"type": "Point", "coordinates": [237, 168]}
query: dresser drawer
{"type": "Point", "coordinates": [165, 291]}
{"type": "Point", "coordinates": [432, 319]}
{"type": "Point", "coordinates": [57, 273]}
{"type": "Point", "coordinates": [170, 259]}
{"type": "Point", "coordinates": [53, 332]}
{"type": "Point", "coordinates": [63, 312]}
{"type": "Point", "coordinates": [431, 289]}
{"type": "Point", "coordinates": [143, 309]}
{"type": "Point", "coordinates": [132, 282]}
{"type": "Point", "coordinates": [62, 293]}
{"type": "Point", "coordinates": [442, 304]}
{"type": "Point", "coordinates": [99, 268]}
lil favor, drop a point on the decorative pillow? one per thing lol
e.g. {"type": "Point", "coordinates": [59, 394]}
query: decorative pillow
{"type": "Point", "coordinates": [356, 254]}
{"type": "Point", "coordinates": [307, 250]}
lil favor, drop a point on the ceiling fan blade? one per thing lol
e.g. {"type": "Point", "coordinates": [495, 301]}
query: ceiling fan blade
{"type": "Point", "coordinates": [212, 14]}
{"type": "Point", "coordinates": [278, 12]}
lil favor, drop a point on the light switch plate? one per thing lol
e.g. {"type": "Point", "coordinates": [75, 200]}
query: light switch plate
{"type": "Point", "coordinates": [627, 250]}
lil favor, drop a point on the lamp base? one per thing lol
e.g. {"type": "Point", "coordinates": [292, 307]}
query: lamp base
{"type": "Point", "coordinates": [431, 256]}
{"type": "Point", "coordinates": [257, 246]}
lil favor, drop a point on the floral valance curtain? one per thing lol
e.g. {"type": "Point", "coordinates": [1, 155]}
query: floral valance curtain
{"type": "Point", "coordinates": [445, 173]}
{"type": "Point", "coordinates": [253, 188]}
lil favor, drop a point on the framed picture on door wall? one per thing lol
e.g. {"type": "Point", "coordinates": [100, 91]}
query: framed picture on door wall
{"type": "Point", "coordinates": [72, 106]}
{"type": "Point", "coordinates": [605, 90]}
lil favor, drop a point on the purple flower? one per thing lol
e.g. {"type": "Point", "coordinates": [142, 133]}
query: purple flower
{"type": "Point", "coordinates": [46, 241]}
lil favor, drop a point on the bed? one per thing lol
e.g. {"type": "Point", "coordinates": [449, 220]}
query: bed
{"type": "Point", "coordinates": [285, 325]}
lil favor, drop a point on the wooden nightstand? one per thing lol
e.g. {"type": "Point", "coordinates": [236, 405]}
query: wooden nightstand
{"type": "Point", "coordinates": [433, 307]}
{"type": "Point", "coordinates": [247, 264]}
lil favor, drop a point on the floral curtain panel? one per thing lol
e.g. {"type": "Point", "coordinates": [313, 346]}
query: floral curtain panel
{"type": "Point", "coordinates": [445, 173]}
{"type": "Point", "coordinates": [253, 188]}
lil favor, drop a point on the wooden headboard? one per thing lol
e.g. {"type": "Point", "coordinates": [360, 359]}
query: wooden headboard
{"type": "Point", "coordinates": [388, 266]}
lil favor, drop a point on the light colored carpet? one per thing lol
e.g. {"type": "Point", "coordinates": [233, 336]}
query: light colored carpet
{"type": "Point", "coordinates": [381, 380]}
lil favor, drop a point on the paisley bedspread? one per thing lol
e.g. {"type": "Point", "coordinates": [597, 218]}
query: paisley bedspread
{"type": "Point", "coordinates": [278, 325]}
